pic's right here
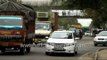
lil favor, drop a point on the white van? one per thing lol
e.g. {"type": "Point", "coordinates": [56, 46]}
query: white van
{"type": "Point", "coordinates": [61, 42]}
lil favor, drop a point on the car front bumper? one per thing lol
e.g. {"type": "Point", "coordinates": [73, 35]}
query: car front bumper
{"type": "Point", "coordinates": [68, 49]}
{"type": "Point", "coordinates": [100, 42]}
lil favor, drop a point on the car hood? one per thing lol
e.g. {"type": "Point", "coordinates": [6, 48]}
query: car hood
{"type": "Point", "coordinates": [51, 40]}
{"type": "Point", "coordinates": [101, 37]}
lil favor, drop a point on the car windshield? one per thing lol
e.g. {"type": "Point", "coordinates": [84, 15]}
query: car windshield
{"type": "Point", "coordinates": [43, 26]}
{"type": "Point", "coordinates": [103, 33]}
{"type": "Point", "coordinates": [61, 35]}
{"type": "Point", "coordinates": [10, 21]}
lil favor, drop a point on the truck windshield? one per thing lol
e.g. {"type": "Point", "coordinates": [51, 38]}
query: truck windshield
{"type": "Point", "coordinates": [43, 26]}
{"type": "Point", "coordinates": [10, 22]}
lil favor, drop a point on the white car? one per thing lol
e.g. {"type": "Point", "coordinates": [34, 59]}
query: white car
{"type": "Point", "coordinates": [88, 33]}
{"type": "Point", "coordinates": [101, 38]}
{"type": "Point", "coordinates": [61, 42]}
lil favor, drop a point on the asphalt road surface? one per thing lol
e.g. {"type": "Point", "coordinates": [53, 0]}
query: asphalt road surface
{"type": "Point", "coordinates": [38, 53]}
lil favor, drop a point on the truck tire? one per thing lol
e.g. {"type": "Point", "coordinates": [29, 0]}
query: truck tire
{"type": "Point", "coordinates": [28, 49]}
{"type": "Point", "coordinates": [22, 51]}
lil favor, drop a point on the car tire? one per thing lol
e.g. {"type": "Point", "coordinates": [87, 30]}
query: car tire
{"type": "Point", "coordinates": [95, 44]}
{"type": "Point", "coordinates": [47, 53]}
{"type": "Point", "coordinates": [104, 44]}
{"type": "Point", "coordinates": [75, 53]}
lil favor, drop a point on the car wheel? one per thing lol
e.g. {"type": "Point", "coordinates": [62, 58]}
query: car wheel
{"type": "Point", "coordinates": [95, 44]}
{"type": "Point", "coordinates": [104, 44]}
{"type": "Point", "coordinates": [47, 53]}
{"type": "Point", "coordinates": [75, 53]}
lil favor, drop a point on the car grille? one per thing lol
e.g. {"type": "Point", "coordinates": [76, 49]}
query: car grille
{"type": "Point", "coordinates": [59, 47]}
{"type": "Point", "coordinates": [100, 38]}
{"type": "Point", "coordinates": [10, 38]}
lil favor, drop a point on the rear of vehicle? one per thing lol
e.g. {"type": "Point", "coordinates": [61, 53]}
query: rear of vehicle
{"type": "Point", "coordinates": [11, 32]}
{"type": "Point", "coordinates": [101, 38]}
{"type": "Point", "coordinates": [88, 33]}
{"type": "Point", "coordinates": [61, 42]}
{"type": "Point", "coordinates": [17, 27]}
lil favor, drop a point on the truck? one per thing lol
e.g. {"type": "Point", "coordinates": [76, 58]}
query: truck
{"type": "Point", "coordinates": [43, 29]}
{"type": "Point", "coordinates": [46, 23]}
{"type": "Point", "coordinates": [17, 27]}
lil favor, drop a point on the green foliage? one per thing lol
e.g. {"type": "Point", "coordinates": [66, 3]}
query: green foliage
{"type": "Point", "coordinates": [66, 23]}
{"type": "Point", "coordinates": [81, 4]}
{"type": "Point", "coordinates": [97, 9]}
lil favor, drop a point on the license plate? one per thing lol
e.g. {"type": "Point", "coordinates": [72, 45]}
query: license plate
{"type": "Point", "coordinates": [58, 47]}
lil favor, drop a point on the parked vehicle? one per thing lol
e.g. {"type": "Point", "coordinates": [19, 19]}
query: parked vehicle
{"type": "Point", "coordinates": [88, 33]}
{"type": "Point", "coordinates": [101, 38]}
{"type": "Point", "coordinates": [61, 42]}
{"type": "Point", "coordinates": [17, 27]}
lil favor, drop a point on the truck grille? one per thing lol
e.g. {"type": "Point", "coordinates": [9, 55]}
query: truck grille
{"type": "Point", "coordinates": [10, 38]}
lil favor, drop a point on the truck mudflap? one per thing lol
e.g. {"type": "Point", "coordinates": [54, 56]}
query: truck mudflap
{"type": "Point", "coordinates": [100, 54]}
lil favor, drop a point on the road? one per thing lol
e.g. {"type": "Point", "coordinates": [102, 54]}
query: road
{"type": "Point", "coordinates": [38, 53]}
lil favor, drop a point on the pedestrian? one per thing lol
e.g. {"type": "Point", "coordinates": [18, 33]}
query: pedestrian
{"type": "Point", "coordinates": [80, 34]}
{"type": "Point", "coordinates": [94, 32]}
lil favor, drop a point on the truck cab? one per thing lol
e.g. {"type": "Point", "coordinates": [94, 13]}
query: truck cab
{"type": "Point", "coordinates": [43, 29]}
{"type": "Point", "coordinates": [16, 27]}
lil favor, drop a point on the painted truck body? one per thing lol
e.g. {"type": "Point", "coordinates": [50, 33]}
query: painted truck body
{"type": "Point", "coordinates": [17, 27]}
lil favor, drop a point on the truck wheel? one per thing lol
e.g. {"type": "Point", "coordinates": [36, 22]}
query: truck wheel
{"type": "Point", "coordinates": [27, 49]}
{"type": "Point", "coordinates": [22, 51]}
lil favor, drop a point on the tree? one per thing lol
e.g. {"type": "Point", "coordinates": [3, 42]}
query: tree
{"type": "Point", "coordinates": [3, 1]}
{"type": "Point", "coordinates": [81, 4]}
{"type": "Point", "coordinates": [97, 9]}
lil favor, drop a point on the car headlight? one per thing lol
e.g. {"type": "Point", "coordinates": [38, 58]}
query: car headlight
{"type": "Point", "coordinates": [51, 44]}
{"type": "Point", "coordinates": [95, 39]}
{"type": "Point", "coordinates": [70, 44]}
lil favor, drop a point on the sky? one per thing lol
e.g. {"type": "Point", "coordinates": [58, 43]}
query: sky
{"type": "Point", "coordinates": [85, 22]}
{"type": "Point", "coordinates": [37, 2]}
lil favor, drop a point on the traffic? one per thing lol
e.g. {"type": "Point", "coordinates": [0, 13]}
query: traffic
{"type": "Point", "coordinates": [45, 33]}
